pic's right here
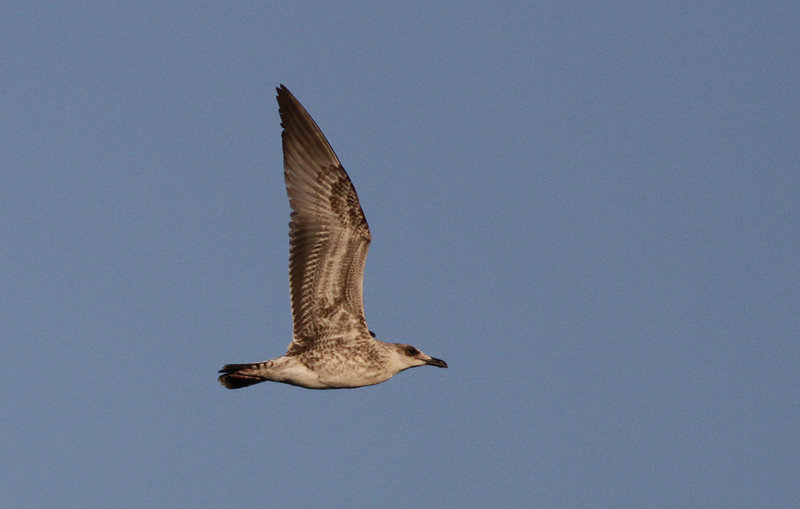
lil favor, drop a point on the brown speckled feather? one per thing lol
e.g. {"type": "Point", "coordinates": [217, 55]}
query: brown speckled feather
{"type": "Point", "coordinates": [329, 237]}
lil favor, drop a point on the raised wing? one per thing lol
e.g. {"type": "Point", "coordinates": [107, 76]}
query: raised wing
{"type": "Point", "coordinates": [328, 233]}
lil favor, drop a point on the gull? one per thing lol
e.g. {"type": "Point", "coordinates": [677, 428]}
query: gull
{"type": "Point", "coordinates": [332, 347]}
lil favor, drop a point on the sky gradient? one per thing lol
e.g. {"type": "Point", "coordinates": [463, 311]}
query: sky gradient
{"type": "Point", "coordinates": [590, 211]}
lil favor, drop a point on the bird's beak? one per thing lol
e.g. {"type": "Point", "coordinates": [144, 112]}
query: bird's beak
{"type": "Point", "coordinates": [439, 363]}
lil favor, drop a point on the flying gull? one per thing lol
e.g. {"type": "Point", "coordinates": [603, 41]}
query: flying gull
{"type": "Point", "coordinates": [331, 347]}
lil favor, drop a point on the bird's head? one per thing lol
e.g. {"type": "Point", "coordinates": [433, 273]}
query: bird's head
{"type": "Point", "coordinates": [410, 357]}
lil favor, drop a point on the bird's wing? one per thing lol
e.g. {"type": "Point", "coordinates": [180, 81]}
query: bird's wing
{"type": "Point", "coordinates": [328, 233]}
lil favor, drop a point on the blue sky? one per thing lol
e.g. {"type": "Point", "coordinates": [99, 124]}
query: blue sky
{"type": "Point", "coordinates": [590, 211]}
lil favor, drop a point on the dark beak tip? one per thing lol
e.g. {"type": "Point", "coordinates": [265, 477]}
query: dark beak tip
{"type": "Point", "coordinates": [439, 363]}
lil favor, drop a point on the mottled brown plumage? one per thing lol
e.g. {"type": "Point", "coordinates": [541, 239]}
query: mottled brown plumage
{"type": "Point", "coordinates": [328, 241]}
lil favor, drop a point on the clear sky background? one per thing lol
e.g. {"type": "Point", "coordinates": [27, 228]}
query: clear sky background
{"type": "Point", "coordinates": [591, 211]}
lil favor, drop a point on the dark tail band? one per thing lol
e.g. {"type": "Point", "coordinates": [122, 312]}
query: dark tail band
{"type": "Point", "coordinates": [235, 376]}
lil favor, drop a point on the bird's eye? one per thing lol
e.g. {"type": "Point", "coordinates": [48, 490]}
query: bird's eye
{"type": "Point", "coordinates": [411, 351]}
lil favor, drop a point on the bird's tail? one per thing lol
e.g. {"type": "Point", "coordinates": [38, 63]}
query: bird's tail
{"type": "Point", "coordinates": [237, 376]}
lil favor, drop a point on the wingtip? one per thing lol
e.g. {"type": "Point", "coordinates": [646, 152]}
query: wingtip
{"type": "Point", "coordinates": [283, 91]}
